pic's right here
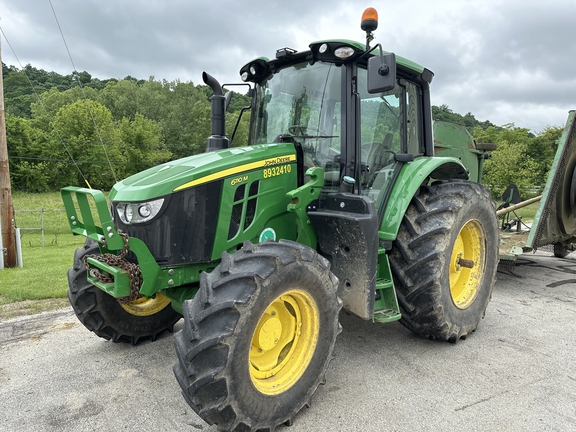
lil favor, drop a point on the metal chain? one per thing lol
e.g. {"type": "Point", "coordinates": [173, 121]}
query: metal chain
{"type": "Point", "coordinates": [132, 269]}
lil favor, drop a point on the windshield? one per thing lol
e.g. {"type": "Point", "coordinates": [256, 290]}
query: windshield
{"type": "Point", "coordinates": [302, 103]}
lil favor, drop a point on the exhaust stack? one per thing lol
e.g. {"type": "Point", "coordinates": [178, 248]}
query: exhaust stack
{"type": "Point", "coordinates": [218, 139]}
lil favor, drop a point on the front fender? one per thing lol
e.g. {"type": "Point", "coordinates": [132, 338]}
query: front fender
{"type": "Point", "coordinates": [411, 177]}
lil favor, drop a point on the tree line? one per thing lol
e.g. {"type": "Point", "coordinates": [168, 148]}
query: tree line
{"type": "Point", "coordinates": [110, 128]}
{"type": "Point", "coordinates": [116, 127]}
{"type": "Point", "coordinates": [522, 158]}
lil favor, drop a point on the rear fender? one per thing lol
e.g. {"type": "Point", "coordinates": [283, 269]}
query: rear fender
{"type": "Point", "coordinates": [411, 177]}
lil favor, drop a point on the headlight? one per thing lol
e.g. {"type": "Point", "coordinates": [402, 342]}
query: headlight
{"type": "Point", "coordinates": [133, 213]}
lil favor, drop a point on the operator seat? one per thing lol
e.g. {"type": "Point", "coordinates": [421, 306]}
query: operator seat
{"type": "Point", "coordinates": [379, 154]}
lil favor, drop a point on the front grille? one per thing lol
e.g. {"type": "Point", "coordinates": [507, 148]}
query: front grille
{"type": "Point", "coordinates": [184, 230]}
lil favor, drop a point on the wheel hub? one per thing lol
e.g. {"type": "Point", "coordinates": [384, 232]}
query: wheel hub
{"type": "Point", "coordinates": [467, 264]}
{"type": "Point", "coordinates": [268, 332]}
{"type": "Point", "coordinates": [284, 342]}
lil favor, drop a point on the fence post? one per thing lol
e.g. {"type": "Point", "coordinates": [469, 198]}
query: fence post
{"type": "Point", "coordinates": [42, 224]}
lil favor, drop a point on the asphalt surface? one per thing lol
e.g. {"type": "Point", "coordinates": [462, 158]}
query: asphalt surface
{"type": "Point", "coordinates": [517, 372]}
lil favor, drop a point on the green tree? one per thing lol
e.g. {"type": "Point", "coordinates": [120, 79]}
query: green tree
{"type": "Point", "coordinates": [142, 144]}
{"type": "Point", "coordinates": [542, 149]}
{"type": "Point", "coordinates": [87, 129]}
{"type": "Point", "coordinates": [510, 163]}
{"type": "Point", "coordinates": [444, 113]}
{"type": "Point", "coordinates": [27, 149]}
{"type": "Point", "coordinates": [121, 98]}
{"type": "Point", "coordinates": [241, 136]}
{"type": "Point", "coordinates": [44, 110]}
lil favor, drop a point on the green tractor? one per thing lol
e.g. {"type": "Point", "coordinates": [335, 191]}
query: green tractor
{"type": "Point", "coordinates": [340, 200]}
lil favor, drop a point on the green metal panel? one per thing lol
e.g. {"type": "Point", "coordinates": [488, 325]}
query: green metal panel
{"type": "Point", "coordinates": [411, 177]}
{"type": "Point", "coordinates": [120, 287]}
{"type": "Point", "coordinates": [180, 295]}
{"type": "Point", "coordinates": [85, 224]}
{"type": "Point", "coordinates": [299, 200]}
{"type": "Point", "coordinates": [256, 200]}
{"type": "Point", "coordinates": [101, 229]}
{"type": "Point", "coordinates": [453, 140]}
{"type": "Point", "coordinates": [386, 308]}
{"type": "Point", "coordinates": [555, 220]}
{"type": "Point", "coordinates": [198, 169]}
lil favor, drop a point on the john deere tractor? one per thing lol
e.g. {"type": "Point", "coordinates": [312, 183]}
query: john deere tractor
{"type": "Point", "coordinates": [339, 200]}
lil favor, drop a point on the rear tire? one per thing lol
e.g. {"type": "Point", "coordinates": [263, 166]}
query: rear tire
{"type": "Point", "coordinates": [258, 337]}
{"type": "Point", "coordinates": [448, 227]}
{"type": "Point", "coordinates": [103, 315]}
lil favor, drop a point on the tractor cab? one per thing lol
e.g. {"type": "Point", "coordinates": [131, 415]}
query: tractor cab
{"type": "Point", "coordinates": [328, 101]}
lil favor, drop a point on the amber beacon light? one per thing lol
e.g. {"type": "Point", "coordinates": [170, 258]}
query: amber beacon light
{"type": "Point", "coordinates": [369, 20]}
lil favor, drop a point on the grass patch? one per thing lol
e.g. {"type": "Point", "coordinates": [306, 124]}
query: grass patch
{"type": "Point", "coordinates": [526, 213]}
{"type": "Point", "coordinates": [43, 275]}
{"type": "Point", "coordinates": [33, 211]}
{"type": "Point", "coordinates": [529, 212]}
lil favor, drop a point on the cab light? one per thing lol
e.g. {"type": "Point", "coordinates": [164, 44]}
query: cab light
{"type": "Point", "coordinates": [344, 52]}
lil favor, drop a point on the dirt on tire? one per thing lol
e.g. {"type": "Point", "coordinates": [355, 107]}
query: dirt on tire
{"type": "Point", "coordinates": [214, 365]}
{"type": "Point", "coordinates": [421, 258]}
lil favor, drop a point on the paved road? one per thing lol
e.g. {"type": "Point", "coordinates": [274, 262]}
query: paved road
{"type": "Point", "coordinates": [516, 373]}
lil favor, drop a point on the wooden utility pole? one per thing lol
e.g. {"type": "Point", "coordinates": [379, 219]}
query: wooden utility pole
{"type": "Point", "coordinates": [6, 208]}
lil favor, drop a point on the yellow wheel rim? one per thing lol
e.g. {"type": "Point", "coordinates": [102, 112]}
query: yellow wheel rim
{"type": "Point", "coordinates": [146, 306]}
{"type": "Point", "coordinates": [284, 342]}
{"type": "Point", "coordinates": [467, 264]}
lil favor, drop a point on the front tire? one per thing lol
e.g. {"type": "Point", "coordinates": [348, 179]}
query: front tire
{"type": "Point", "coordinates": [103, 315]}
{"type": "Point", "coordinates": [258, 337]}
{"type": "Point", "coordinates": [445, 258]}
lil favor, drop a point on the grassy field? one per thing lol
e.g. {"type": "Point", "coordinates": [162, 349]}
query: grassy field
{"type": "Point", "coordinates": [43, 275]}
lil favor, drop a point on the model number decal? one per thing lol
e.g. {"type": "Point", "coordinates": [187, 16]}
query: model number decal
{"type": "Point", "coordinates": [238, 180]}
{"type": "Point", "coordinates": [277, 170]}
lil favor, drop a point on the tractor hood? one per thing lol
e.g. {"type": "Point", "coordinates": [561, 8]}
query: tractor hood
{"type": "Point", "coordinates": [555, 220]}
{"type": "Point", "coordinates": [184, 173]}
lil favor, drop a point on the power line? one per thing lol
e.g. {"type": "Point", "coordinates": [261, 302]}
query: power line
{"type": "Point", "coordinates": [82, 89]}
{"type": "Point", "coordinates": [79, 161]}
{"type": "Point", "coordinates": [44, 108]}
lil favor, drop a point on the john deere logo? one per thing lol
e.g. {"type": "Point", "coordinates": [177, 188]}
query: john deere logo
{"type": "Point", "coordinates": [268, 233]}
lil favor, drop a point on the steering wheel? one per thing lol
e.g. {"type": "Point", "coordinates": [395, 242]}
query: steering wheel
{"type": "Point", "coordinates": [300, 130]}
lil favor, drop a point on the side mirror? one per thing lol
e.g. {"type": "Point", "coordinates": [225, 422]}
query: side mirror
{"type": "Point", "coordinates": [381, 73]}
{"type": "Point", "coordinates": [227, 97]}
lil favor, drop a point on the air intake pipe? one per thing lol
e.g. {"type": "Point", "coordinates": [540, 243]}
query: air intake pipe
{"type": "Point", "coordinates": [218, 138]}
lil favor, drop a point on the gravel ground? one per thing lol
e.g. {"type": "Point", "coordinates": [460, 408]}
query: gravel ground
{"type": "Point", "coordinates": [516, 373]}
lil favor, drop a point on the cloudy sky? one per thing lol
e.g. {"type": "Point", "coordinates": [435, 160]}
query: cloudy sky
{"type": "Point", "coordinates": [507, 61]}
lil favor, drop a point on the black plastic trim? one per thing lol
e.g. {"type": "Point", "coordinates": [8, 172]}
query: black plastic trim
{"type": "Point", "coordinates": [184, 231]}
{"type": "Point", "coordinates": [347, 230]}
